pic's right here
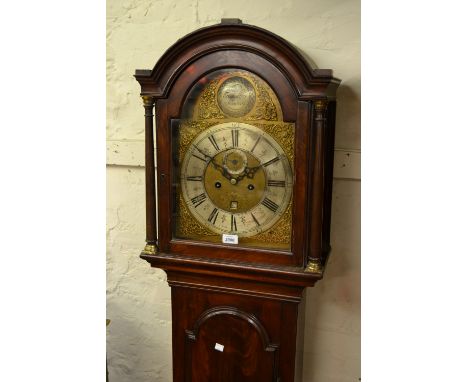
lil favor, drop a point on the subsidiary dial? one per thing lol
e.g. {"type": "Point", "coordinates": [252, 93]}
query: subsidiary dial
{"type": "Point", "coordinates": [234, 161]}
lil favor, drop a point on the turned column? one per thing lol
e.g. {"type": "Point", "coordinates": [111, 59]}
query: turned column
{"type": "Point", "coordinates": [318, 182]}
{"type": "Point", "coordinates": [151, 246]}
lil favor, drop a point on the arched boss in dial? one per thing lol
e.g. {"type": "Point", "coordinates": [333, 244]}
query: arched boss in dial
{"type": "Point", "coordinates": [236, 179]}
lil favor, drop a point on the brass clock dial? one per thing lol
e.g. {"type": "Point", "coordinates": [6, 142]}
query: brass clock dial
{"type": "Point", "coordinates": [235, 178]}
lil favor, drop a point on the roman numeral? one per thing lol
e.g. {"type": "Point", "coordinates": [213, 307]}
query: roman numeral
{"type": "Point", "coordinates": [255, 144]}
{"type": "Point", "coordinates": [196, 156]}
{"type": "Point", "coordinates": [213, 216]}
{"type": "Point", "coordinates": [205, 157]}
{"type": "Point", "coordinates": [233, 223]}
{"type": "Point", "coordinates": [255, 219]}
{"type": "Point", "coordinates": [195, 178]}
{"type": "Point", "coordinates": [235, 138]}
{"type": "Point", "coordinates": [270, 204]}
{"type": "Point", "coordinates": [277, 183]}
{"type": "Point", "coordinates": [213, 142]}
{"type": "Point", "coordinates": [271, 161]}
{"type": "Point", "coordinates": [199, 199]}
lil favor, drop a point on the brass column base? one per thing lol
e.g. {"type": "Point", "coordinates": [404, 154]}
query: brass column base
{"type": "Point", "coordinates": [150, 249]}
{"type": "Point", "coordinates": [314, 266]}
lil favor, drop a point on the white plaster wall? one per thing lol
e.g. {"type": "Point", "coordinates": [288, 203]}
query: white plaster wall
{"type": "Point", "coordinates": [327, 32]}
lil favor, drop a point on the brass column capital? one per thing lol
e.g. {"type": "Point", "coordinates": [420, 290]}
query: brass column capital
{"type": "Point", "coordinates": [148, 100]}
{"type": "Point", "coordinates": [320, 105]}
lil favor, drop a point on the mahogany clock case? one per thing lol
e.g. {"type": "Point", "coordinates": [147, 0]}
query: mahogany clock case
{"type": "Point", "coordinates": [236, 309]}
{"type": "Point", "coordinates": [297, 88]}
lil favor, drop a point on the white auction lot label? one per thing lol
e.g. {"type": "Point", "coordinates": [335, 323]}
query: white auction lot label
{"type": "Point", "coordinates": [230, 239]}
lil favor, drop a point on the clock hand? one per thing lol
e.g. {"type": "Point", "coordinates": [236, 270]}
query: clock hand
{"type": "Point", "coordinates": [220, 168]}
{"type": "Point", "coordinates": [215, 165]}
{"type": "Point", "coordinates": [250, 171]}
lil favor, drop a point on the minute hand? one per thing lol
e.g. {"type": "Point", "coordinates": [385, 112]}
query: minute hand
{"type": "Point", "coordinates": [249, 172]}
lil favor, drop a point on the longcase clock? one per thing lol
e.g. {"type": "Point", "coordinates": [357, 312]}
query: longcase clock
{"type": "Point", "coordinates": [244, 140]}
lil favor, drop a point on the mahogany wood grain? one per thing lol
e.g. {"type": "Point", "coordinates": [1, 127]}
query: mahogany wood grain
{"type": "Point", "coordinates": [258, 336]}
{"type": "Point", "coordinates": [301, 183]}
{"type": "Point", "coordinates": [151, 227]}
{"type": "Point", "coordinates": [216, 354]}
{"type": "Point", "coordinates": [318, 183]}
{"type": "Point", "coordinates": [308, 83]}
{"type": "Point", "coordinates": [164, 174]}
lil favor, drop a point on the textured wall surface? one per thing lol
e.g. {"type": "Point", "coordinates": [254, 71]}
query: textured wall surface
{"type": "Point", "coordinates": [327, 32]}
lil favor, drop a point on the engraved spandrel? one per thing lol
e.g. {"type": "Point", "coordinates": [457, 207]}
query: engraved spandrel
{"type": "Point", "coordinates": [234, 94]}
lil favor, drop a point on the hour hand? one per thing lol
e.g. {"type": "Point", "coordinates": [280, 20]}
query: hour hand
{"type": "Point", "coordinates": [250, 171]}
{"type": "Point", "coordinates": [218, 167]}
{"type": "Point", "coordinates": [221, 169]}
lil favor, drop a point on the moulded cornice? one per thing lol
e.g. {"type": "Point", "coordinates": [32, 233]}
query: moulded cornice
{"type": "Point", "coordinates": [308, 83]}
